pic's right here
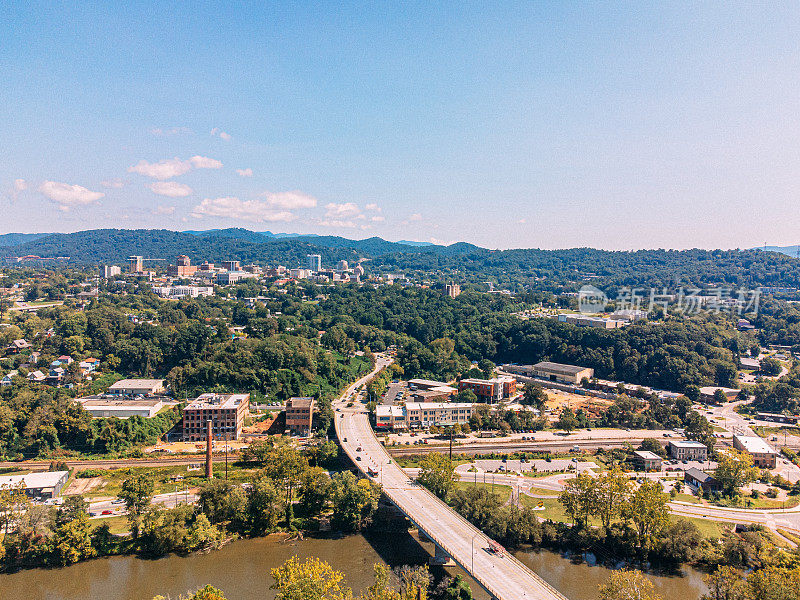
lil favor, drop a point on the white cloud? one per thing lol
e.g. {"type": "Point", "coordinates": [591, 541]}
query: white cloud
{"type": "Point", "coordinates": [172, 167]}
{"type": "Point", "coordinates": [347, 209]}
{"type": "Point", "coordinates": [164, 210]}
{"type": "Point", "coordinates": [165, 169]}
{"type": "Point", "coordinates": [20, 185]}
{"type": "Point", "coordinates": [373, 206]}
{"type": "Point", "coordinates": [171, 189]}
{"type": "Point", "coordinates": [256, 211]}
{"type": "Point", "coordinates": [159, 132]}
{"type": "Point", "coordinates": [67, 196]}
{"type": "Point", "coordinates": [221, 134]}
{"type": "Point", "coordinates": [377, 219]}
{"type": "Point", "coordinates": [203, 162]}
{"type": "Point", "coordinates": [289, 200]}
{"type": "Point", "coordinates": [115, 183]}
{"type": "Point", "coordinates": [244, 172]}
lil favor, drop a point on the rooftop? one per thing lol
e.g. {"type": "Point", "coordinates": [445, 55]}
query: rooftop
{"type": "Point", "coordinates": [212, 400]}
{"type": "Point", "coordinates": [646, 455]}
{"type": "Point", "coordinates": [699, 475]}
{"type": "Point", "coordinates": [437, 405]}
{"type": "Point", "coordinates": [301, 402]}
{"type": "Point", "coordinates": [687, 444]}
{"type": "Point", "coordinates": [33, 480]}
{"type": "Point", "coordinates": [754, 444]}
{"type": "Point", "coordinates": [123, 384]}
{"type": "Point", "coordinates": [559, 368]}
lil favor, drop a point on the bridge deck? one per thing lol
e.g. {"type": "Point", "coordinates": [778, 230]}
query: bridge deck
{"type": "Point", "coordinates": [502, 576]}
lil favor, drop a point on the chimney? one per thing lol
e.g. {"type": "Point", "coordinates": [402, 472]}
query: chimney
{"type": "Point", "coordinates": [209, 436]}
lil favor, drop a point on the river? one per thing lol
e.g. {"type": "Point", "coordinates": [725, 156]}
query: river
{"type": "Point", "coordinates": [241, 570]}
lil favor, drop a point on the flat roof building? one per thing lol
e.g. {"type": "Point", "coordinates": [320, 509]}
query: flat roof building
{"type": "Point", "coordinates": [300, 415]}
{"type": "Point", "coordinates": [137, 387]}
{"type": "Point", "coordinates": [764, 456]}
{"type": "Point", "coordinates": [226, 411]}
{"type": "Point", "coordinates": [37, 485]}
{"type": "Point", "coordinates": [425, 384]}
{"type": "Point", "coordinates": [648, 461]}
{"type": "Point", "coordinates": [490, 390]}
{"type": "Point", "coordinates": [425, 414]}
{"type": "Point", "coordinates": [571, 374]}
{"type": "Point", "coordinates": [687, 450]}
{"type": "Point", "coordinates": [122, 409]}
{"type": "Point", "coordinates": [390, 417]}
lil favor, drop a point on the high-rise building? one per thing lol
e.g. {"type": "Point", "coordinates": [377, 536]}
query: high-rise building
{"type": "Point", "coordinates": [314, 262]}
{"type": "Point", "coordinates": [231, 265]}
{"type": "Point", "coordinates": [452, 290]}
{"type": "Point", "coordinates": [182, 267]}
{"type": "Point", "coordinates": [226, 411]}
{"type": "Point", "coordinates": [110, 271]}
{"type": "Point", "coordinates": [342, 265]}
{"type": "Point", "coordinates": [135, 264]}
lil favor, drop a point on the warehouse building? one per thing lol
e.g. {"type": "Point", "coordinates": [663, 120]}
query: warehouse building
{"type": "Point", "coordinates": [122, 409]}
{"type": "Point", "coordinates": [764, 456]}
{"type": "Point", "coordinates": [37, 485]}
{"type": "Point", "coordinates": [137, 387]}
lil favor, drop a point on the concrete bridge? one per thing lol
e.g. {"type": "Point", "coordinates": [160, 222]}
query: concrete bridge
{"type": "Point", "coordinates": [499, 573]}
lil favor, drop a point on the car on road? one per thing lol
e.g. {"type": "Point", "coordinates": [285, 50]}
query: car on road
{"type": "Point", "coordinates": [106, 512]}
{"type": "Point", "coordinates": [358, 458]}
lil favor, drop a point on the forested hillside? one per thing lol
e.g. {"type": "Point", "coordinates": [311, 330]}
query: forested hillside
{"type": "Point", "coordinates": [542, 269]}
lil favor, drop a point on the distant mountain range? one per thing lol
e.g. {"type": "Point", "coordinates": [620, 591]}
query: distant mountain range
{"type": "Point", "coordinates": [792, 251]}
{"type": "Point", "coordinates": [115, 245]}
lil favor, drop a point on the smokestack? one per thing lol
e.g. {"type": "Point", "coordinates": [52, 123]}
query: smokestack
{"type": "Point", "coordinates": [209, 436]}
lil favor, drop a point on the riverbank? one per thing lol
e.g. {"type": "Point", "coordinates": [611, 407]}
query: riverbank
{"type": "Point", "coordinates": [242, 570]}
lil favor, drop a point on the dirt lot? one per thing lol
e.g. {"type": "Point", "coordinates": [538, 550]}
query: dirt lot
{"type": "Point", "coordinates": [82, 486]}
{"type": "Point", "coordinates": [558, 400]}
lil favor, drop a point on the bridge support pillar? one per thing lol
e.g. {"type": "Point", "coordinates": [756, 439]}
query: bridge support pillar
{"type": "Point", "coordinates": [440, 558]}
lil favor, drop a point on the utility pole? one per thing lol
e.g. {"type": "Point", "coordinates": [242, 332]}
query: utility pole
{"type": "Point", "coordinates": [209, 435]}
{"type": "Point", "coordinates": [226, 455]}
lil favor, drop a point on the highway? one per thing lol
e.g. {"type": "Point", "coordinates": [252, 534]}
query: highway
{"type": "Point", "coordinates": [500, 574]}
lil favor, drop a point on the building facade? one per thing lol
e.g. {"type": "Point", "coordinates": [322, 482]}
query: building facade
{"type": "Point", "coordinates": [300, 415]}
{"type": "Point", "coordinates": [764, 456]}
{"type": "Point", "coordinates": [227, 413]}
{"type": "Point", "coordinates": [688, 450]}
{"type": "Point", "coordinates": [490, 390]}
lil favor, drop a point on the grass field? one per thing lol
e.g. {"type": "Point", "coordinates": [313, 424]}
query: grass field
{"type": "Point", "coordinates": [503, 492]}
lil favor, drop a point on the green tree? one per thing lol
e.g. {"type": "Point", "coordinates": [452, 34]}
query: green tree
{"type": "Point", "coordinates": [285, 466]}
{"type": "Point", "coordinates": [579, 498]}
{"type": "Point", "coordinates": [222, 501]}
{"type": "Point", "coordinates": [612, 491]}
{"type": "Point", "coordinates": [533, 394]}
{"type": "Point", "coordinates": [354, 501]}
{"type": "Point", "coordinates": [628, 585]}
{"type": "Point", "coordinates": [437, 473]}
{"type": "Point", "coordinates": [137, 492]}
{"type": "Point", "coordinates": [734, 470]}
{"type": "Point", "coordinates": [309, 579]}
{"type": "Point", "coordinates": [567, 420]}
{"type": "Point", "coordinates": [264, 506]}
{"type": "Point", "coordinates": [647, 510]}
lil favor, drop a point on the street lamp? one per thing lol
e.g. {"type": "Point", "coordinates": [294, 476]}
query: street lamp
{"type": "Point", "coordinates": [472, 552]}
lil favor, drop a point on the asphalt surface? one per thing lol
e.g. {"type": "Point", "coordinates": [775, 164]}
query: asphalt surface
{"type": "Point", "coordinates": [499, 573]}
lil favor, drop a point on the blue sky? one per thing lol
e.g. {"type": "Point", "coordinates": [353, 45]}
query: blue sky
{"type": "Point", "coordinates": [527, 124]}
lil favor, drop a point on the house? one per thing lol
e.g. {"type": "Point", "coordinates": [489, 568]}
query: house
{"type": "Point", "coordinates": [89, 365]}
{"type": "Point", "coordinates": [17, 346]}
{"type": "Point", "coordinates": [62, 361]}
{"type": "Point", "coordinates": [646, 460]}
{"type": "Point", "coordinates": [8, 379]}
{"type": "Point", "coordinates": [299, 415]}
{"type": "Point", "coordinates": [687, 450]}
{"type": "Point", "coordinates": [55, 376]}
{"type": "Point", "coordinates": [37, 376]}
{"type": "Point", "coordinates": [700, 480]}
{"type": "Point", "coordinates": [34, 358]}
{"type": "Point", "coordinates": [764, 456]}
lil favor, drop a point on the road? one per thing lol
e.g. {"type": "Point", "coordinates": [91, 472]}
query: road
{"type": "Point", "coordinates": [116, 507]}
{"type": "Point", "coordinates": [503, 576]}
